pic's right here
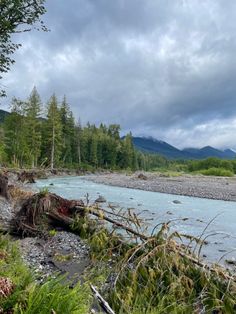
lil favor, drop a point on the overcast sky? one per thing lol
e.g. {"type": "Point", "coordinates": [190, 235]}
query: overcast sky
{"type": "Point", "coordinates": [161, 68]}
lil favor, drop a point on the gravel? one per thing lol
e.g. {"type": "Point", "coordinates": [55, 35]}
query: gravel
{"type": "Point", "coordinates": [64, 252]}
{"type": "Point", "coordinates": [221, 188]}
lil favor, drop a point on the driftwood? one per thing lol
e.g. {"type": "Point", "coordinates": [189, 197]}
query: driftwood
{"type": "Point", "coordinates": [95, 212]}
{"type": "Point", "coordinates": [4, 186]}
{"type": "Point", "coordinates": [28, 177]}
{"type": "Point", "coordinates": [105, 306]}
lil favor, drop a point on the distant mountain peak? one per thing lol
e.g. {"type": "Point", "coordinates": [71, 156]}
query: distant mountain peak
{"type": "Point", "coordinates": [155, 146]}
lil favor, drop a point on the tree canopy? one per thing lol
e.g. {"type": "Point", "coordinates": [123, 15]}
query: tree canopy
{"type": "Point", "coordinates": [17, 16]}
{"type": "Point", "coordinates": [54, 139]}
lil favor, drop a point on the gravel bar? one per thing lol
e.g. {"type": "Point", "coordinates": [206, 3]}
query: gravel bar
{"type": "Point", "coordinates": [220, 188]}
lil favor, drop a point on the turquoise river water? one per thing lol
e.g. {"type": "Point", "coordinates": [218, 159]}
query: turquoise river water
{"type": "Point", "coordinates": [159, 207]}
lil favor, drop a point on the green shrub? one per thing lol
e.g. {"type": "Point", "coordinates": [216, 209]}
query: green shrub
{"type": "Point", "coordinates": [209, 163]}
{"type": "Point", "coordinates": [221, 172]}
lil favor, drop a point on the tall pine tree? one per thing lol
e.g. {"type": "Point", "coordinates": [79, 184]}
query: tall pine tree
{"type": "Point", "coordinates": [33, 126]}
{"type": "Point", "coordinates": [53, 132]}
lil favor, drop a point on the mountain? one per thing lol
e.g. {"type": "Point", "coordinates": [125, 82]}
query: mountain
{"type": "Point", "coordinates": [209, 151]}
{"type": "Point", "coordinates": [3, 114]}
{"type": "Point", "coordinates": [152, 145]}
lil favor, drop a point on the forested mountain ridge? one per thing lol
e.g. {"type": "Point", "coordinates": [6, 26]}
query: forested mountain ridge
{"type": "Point", "coordinates": [30, 139]}
{"type": "Point", "coordinates": [151, 145]}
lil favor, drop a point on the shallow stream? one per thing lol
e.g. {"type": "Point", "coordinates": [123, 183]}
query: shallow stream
{"type": "Point", "coordinates": [160, 207]}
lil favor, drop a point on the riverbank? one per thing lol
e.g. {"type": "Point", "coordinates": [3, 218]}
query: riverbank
{"type": "Point", "coordinates": [62, 251]}
{"type": "Point", "coordinates": [219, 188]}
{"type": "Point", "coordinates": [160, 261]}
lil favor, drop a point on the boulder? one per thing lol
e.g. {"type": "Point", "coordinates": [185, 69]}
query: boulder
{"type": "Point", "coordinates": [100, 199]}
{"type": "Point", "coordinates": [176, 202]}
{"type": "Point", "coordinates": [142, 176]}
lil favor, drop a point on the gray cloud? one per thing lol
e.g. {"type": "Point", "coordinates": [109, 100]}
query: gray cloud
{"type": "Point", "coordinates": [163, 68]}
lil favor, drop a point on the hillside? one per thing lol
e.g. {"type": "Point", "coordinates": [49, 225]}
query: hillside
{"type": "Point", "coordinates": [152, 145]}
{"type": "Point", "coordinates": [3, 114]}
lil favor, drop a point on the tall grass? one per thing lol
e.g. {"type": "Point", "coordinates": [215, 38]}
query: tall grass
{"type": "Point", "coordinates": [152, 277]}
{"type": "Point", "coordinates": [55, 295]}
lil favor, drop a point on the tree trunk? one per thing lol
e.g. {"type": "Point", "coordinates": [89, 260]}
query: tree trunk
{"type": "Point", "coordinates": [53, 148]}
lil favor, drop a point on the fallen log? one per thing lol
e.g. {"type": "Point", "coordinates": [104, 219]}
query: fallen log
{"type": "Point", "coordinates": [95, 212]}
{"type": "Point", "coordinates": [104, 304]}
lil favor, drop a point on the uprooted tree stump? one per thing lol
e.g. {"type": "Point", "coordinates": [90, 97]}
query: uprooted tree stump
{"type": "Point", "coordinates": [4, 186]}
{"type": "Point", "coordinates": [43, 210]}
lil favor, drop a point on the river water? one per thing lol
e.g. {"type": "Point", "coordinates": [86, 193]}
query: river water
{"type": "Point", "coordinates": [159, 207]}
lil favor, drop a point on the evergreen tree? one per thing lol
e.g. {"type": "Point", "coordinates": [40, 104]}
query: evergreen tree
{"type": "Point", "coordinates": [78, 138]}
{"type": "Point", "coordinates": [53, 128]}
{"type": "Point", "coordinates": [15, 135]}
{"type": "Point", "coordinates": [127, 153]}
{"type": "Point", "coordinates": [68, 133]}
{"type": "Point", "coordinates": [93, 151]}
{"type": "Point", "coordinates": [33, 126]}
{"type": "Point", "coordinates": [2, 147]}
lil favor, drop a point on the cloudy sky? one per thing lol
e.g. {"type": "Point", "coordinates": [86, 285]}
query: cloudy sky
{"type": "Point", "coordinates": [161, 68]}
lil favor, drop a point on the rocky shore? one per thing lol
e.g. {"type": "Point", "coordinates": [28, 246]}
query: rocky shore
{"type": "Point", "coordinates": [63, 252]}
{"type": "Point", "coordinates": [220, 188]}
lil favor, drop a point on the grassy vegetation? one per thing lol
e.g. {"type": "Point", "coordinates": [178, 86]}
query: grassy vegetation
{"type": "Point", "coordinates": [20, 294]}
{"type": "Point", "coordinates": [153, 277]}
{"type": "Point", "coordinates": [213, 163]}
{"type": "Point", "coordinates": [150, 275]}
{"type": "Point", "coordinates": [220, 172]}
{"type": "Point", "coordinates": [156, 275]}
{"type": "Point", "coordinates": [210, 167]}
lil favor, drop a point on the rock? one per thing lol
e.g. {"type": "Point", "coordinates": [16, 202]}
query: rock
{"type": "Point", "coordinates": [231, 261]}
{"type": "Point", "coordinates": [176, 202]}
{"type": "Point", "coordinates": [142, 176]}
{"type": "Point", "coordinates": [100, 199]}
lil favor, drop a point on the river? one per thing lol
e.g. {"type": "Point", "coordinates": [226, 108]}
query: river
{"type": "Point", "coordinates": [159, 207]}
